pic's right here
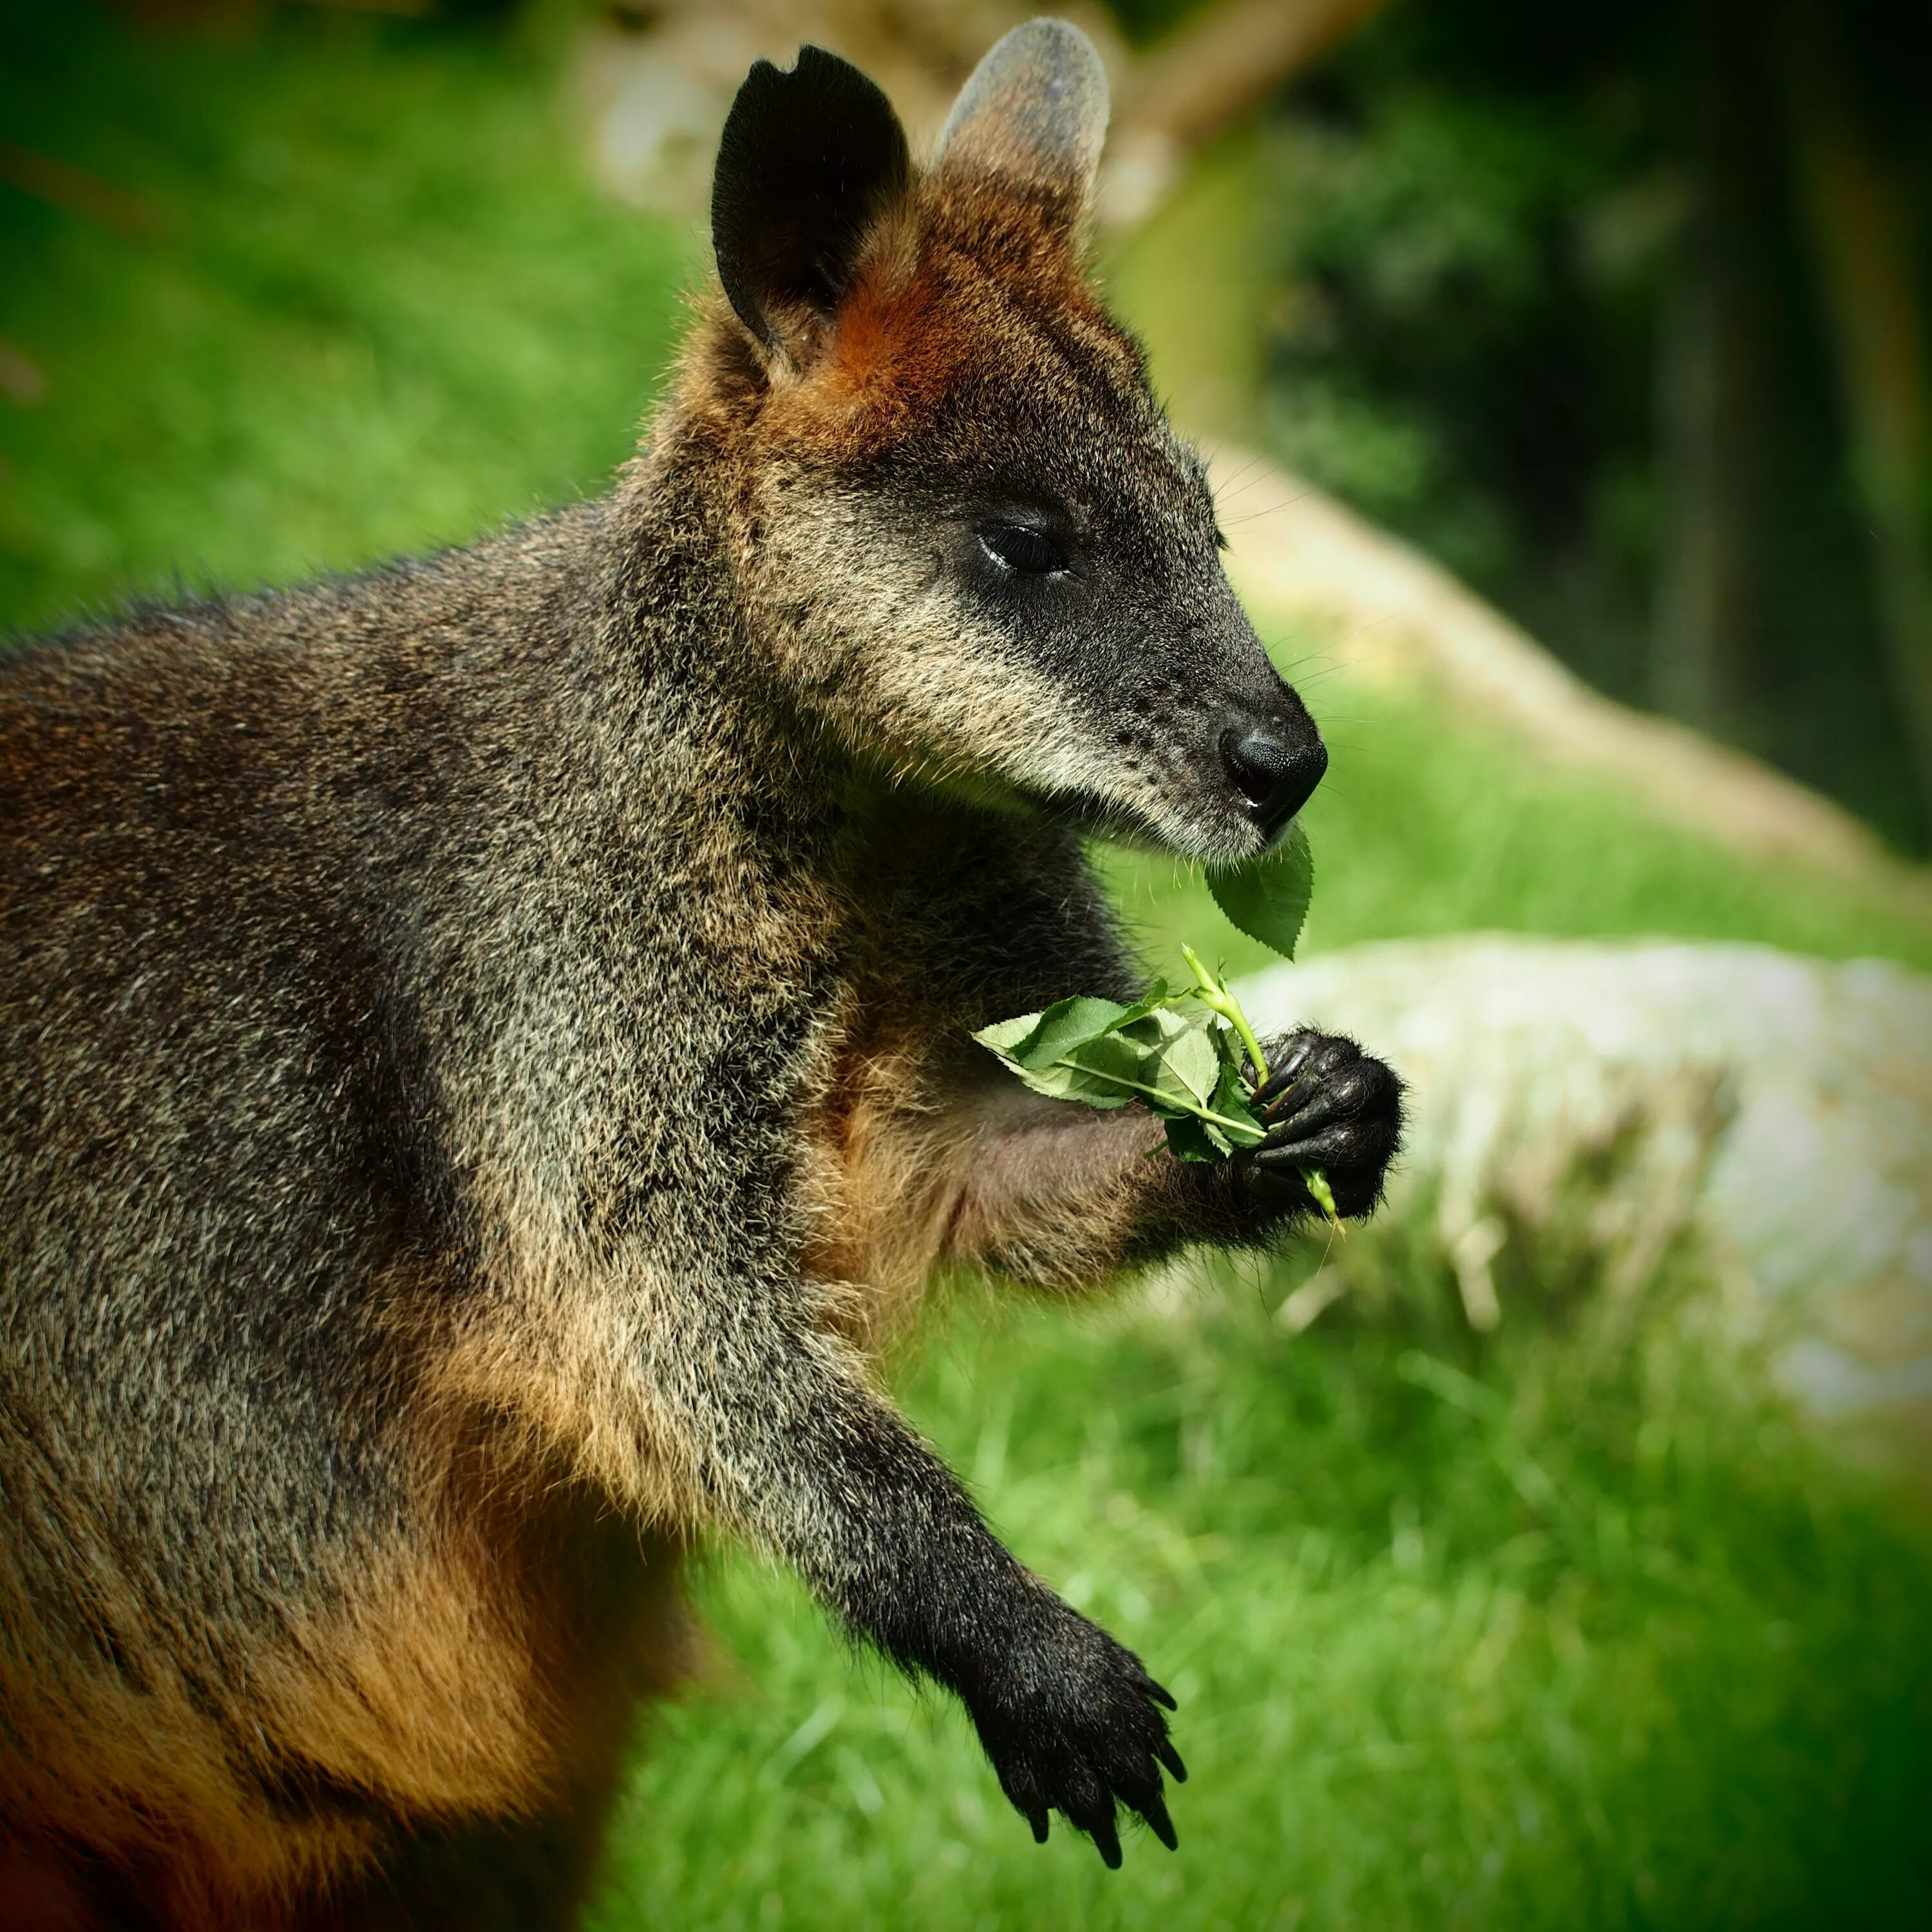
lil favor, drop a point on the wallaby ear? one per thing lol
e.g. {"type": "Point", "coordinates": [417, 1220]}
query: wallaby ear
{"type": "Point", "coordinates": [808, 160]}
{"type": "Point", "coordinates": [1033, 113]}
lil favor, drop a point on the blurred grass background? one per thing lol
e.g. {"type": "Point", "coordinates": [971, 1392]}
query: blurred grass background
{"type": "Point", "coordinates": [1570, 1626]}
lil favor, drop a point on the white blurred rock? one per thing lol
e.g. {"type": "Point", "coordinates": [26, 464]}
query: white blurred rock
{"type": "Point", "coordinates": [1779, 1108]}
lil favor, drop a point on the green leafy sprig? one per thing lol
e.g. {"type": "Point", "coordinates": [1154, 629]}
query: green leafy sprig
{"type": "Point", "coordinates": [1181, 1062]}
{"type": "Point", "coordinates": [1179, 1051]}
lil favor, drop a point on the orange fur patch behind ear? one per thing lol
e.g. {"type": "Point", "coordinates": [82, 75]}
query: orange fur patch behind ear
{"type": "Point", "coordinates": [900, 350]}
{"type": "Point", "coordinates": [892, 343]}
{"type": "Point", "coordinates": [863, 349]}
{"type": "Point", "coordinates": [949, 276]}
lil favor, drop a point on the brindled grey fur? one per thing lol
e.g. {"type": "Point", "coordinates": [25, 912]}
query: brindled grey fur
{"type": "Point", "coordinates": [481, 1038]}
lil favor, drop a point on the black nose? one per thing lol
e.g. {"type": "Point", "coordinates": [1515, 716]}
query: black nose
{"type": "Point", "coordinates": [1276, 776]}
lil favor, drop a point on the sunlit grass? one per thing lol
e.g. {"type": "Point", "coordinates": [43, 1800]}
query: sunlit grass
{"type": "Point", "coordinates": [1561, 1634]}
{"type": "Point", "coordinates": [377, 307]}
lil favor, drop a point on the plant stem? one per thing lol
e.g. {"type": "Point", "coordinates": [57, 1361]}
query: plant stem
{"type": "Point", "coordinates": [1316, 1181]}
{"type": "Point", "coordinates": [1221, 1120]}
{"type": "Point", "coordinates": [1215, 997]}
{"type": "Point", "coordinates": [1220, 999]}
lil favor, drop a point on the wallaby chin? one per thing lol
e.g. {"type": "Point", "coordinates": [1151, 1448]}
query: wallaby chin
{"type": "Point", "coordinates": [479, 1076]}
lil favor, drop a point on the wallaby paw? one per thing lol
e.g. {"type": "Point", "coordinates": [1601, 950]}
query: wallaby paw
{"type": "Point", "coordinates": [1074, 1724]}
{"type": "Point", "coordinates": [1326, 1104]}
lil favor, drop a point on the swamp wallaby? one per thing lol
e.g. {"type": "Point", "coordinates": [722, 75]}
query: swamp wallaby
{"type": "Point", "coordinates": [486, 1048]}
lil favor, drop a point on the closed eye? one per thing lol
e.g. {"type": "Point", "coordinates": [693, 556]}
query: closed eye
{"type": "Point", "coordinates": [1020, 546]}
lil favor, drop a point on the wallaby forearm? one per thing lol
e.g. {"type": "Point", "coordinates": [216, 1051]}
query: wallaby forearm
{"type": "Point", "coordinates": [808, 1461]}
{"type": "Point", "coordinates": [1061, 1197]}
{"type": "Point", "coordinates": [750, 1417]}
{"type": "Point", "coordinates": [778, 1438]}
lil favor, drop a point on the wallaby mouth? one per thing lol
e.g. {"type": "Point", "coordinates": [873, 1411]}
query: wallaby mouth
{"type": "Point", "coordinates": [1219, 785]}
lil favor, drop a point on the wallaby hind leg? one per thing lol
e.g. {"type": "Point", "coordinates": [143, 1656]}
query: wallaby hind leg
{"type": "Point", "coordinates": [630, 1640]}
{"type": "Point", "coordinates": [534, 1874]}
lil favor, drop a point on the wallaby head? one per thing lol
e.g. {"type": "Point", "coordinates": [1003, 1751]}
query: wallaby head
{"type": "Point", "coordinates": [966, 532]}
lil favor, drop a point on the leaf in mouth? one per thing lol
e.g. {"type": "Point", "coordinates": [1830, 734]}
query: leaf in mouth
{"type": "Point", "coordinates": [1268, 897]}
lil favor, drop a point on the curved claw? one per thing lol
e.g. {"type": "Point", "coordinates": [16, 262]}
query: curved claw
{"type": "Point", "coordinates": [1285, 1104]}
{"type": "Point", "coordinates": [1343, 1097]}
{"type": "Point", "coordinates": [1155, 1812]}
{"type": "Point", "coordinates": [1329, 1144]}
{"type": "Point", "coordinates": [1092, 1810]}
{"type": "Point", "coordinates": [1096, 1741]}
{"type": "Point", "coordinates": [1292, 1063]}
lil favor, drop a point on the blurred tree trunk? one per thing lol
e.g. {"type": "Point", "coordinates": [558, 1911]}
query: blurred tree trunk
{"type": "Point", "coordinates": [1214, 70]}
{"type": "Point", "coordinates": [1861, 241]}
{"type": "Point", "coordinates": [1710, 395]}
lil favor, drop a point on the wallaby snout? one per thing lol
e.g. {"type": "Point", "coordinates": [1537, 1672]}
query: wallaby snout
{"type": "Point", "coordinates": [1275, 764]}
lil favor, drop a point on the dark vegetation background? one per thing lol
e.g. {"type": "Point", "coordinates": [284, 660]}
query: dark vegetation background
{"type": "Point", "coordinates": [1617, 313]}
{"type": "Point", "coordinates": [1575, 1624]}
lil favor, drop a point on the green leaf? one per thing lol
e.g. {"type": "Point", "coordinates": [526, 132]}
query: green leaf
{"type": "Point", "coordinates": [1008, 1039]}
{"type": "Point", "coordinates": [1183, 1065]}
{"type": "Point", "coordinates": [1178, 1063]}
{"type": "Point", "coordinates": [1230, 1100]}
{"type": "Point", "coordinates": [1190, 1066]}
{"type": "Point", "coordinates": [1267, 897]}
{"type": "Point", "coordinates": [1065, 1025]}
{"type": "Point", "coordinates": [1071, 1083]}
{"type": "Point", "coordinates": [1156, 995]}
{"type": "Point", "coordinates": [1117, 1056]}
{"type": "Point", "coordinates": [1139, 1060]}
{"type": "Point", "coordinates": [1003, 1035]}
{"type": "Point", "coordinates": [1160, 1023]}
{"type": "Point", "coordinates": [1189, 1138]}
{"type": "Point", "coordinates": [1039, 1040]}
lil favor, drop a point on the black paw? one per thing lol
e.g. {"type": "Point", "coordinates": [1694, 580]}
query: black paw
{"type": "Point", "coordinates": [1071, 1722]}
{"type": "Point", "coordinates": [1326, 1104]}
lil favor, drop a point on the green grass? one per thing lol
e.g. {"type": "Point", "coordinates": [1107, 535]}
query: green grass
{"type": "Point", "coordinates": [378, 308]}
{"type": "Point", "coordinates": [1571, 1635]}
{"type": "Point", "coordinates": [1564, 1631]}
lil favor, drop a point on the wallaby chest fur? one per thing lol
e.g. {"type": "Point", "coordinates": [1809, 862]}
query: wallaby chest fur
{"type": "Point", "coordinates": [487, 1049]}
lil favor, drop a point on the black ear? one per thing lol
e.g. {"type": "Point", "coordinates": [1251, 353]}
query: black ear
{"type": "Point", "coordinates": [808, 160]}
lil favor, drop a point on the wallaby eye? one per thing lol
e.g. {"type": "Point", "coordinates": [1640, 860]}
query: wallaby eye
{"type": "Point", "coordinates": [1020, 546]}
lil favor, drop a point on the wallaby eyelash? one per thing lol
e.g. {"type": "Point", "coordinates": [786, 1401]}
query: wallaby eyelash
{"type": "Point", "coordinates": [1020, 547]}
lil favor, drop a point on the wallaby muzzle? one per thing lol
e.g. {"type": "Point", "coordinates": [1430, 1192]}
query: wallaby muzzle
{"type": "Point", "coordinates": [1275, 760]}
